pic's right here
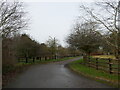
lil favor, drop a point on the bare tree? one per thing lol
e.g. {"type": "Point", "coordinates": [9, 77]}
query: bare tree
{"type": "Point", "coordinates": [52, 43]}
{"type": "Point", "coordinates": [11, 18]}
{"type": "Point", "coordinates": [85, 38]}
{"type": "Point", "coordinates": [107, 18]}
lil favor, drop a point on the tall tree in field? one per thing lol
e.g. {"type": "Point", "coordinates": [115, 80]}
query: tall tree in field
{"type": "Point", "coordinates": [107, 19]}
{"type": "Point", "coordinates": [85, 38]}
{"type": "Point", "coordinates": [26, 47]}
{"type": "Point", "coordinates": [62, 51]}
{"type": "Point", "coordinates": [73, 51]}
{"type": "Point", "coordinates": [43, 50]}
{"type": "Point", "coordinates": [52, 43]}
{"type": "Point", "coordinates": [12, 20]}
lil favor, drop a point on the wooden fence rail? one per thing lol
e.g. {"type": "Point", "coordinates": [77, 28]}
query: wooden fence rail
{"type": "Point", "coordinates": [41, 58]}
{"type": "Point", "coordinates": [108, 65]}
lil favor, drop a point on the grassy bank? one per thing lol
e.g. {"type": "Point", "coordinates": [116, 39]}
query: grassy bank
{"type": "Point", "coordinates": [10, 72]}
{"type": "Point", "coordinates": [92, 73]}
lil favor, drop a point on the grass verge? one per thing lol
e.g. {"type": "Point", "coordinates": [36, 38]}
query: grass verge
{"type": "Point", "coordinates": [92, 73]}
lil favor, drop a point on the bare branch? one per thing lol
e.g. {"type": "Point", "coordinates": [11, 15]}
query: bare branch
{"type": "Point", "coordinates": [11, 18]}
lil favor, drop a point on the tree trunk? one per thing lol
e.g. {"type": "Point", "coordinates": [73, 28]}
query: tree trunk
{"type": "Point", "coordinates": [33, 59]}
{"type": "Point", "coordinates": [26, 59]}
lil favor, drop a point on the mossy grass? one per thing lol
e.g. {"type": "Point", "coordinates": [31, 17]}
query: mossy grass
{"type": "Point", "coordinates": [92, 73]}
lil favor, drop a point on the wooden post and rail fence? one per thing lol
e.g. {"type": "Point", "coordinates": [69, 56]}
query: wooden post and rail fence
{"type": "Point", "coordinates": [111, 66]}
{"type": "Point", "coordinates": [40, 58]}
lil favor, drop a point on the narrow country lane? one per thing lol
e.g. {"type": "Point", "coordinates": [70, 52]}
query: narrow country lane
{"type": "Point", "coordinates": [53, 75]}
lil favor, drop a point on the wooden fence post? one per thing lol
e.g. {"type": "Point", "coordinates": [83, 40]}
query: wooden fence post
{"type": "Point", "coordinates": [33, 59]}
{"type": "Point", "coordinates": [26, 60]}
{"type": "Point", "coordinates": [37, 58]}
{"type": "Point", "coordinates": [18, 59]}
{"type": "Point", "coordinates": [55, 57]}
{"type": "Point", "coordinates": [45, 58]}
{"type": "Point", "coordinates": [96, 63]}
{"type": "Point", "coordinates": [89, 62]}
{"type": "Point", "coordinates": [110, 66]}
{"type": "Point", "coordinates": [40, 58]}
{"type": "Point", "coordinates": [118, 67]}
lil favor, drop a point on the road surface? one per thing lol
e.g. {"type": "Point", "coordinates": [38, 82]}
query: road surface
{"type": "Point", "coordinates": [53, 75]}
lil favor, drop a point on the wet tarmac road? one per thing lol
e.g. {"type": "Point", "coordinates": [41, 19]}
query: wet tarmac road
{"type": "Point", "coordinates": [53, 75]}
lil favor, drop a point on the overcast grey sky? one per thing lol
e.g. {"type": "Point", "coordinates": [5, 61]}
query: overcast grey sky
{"type": "Point", "coordinates": [53, 19]}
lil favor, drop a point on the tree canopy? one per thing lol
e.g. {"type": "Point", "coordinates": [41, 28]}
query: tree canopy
{"type": "Point", "coordinates": [85, 37]}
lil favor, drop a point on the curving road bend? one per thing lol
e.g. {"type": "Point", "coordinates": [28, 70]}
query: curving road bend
{"type": "Point", "coordinates": [53, 75]}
